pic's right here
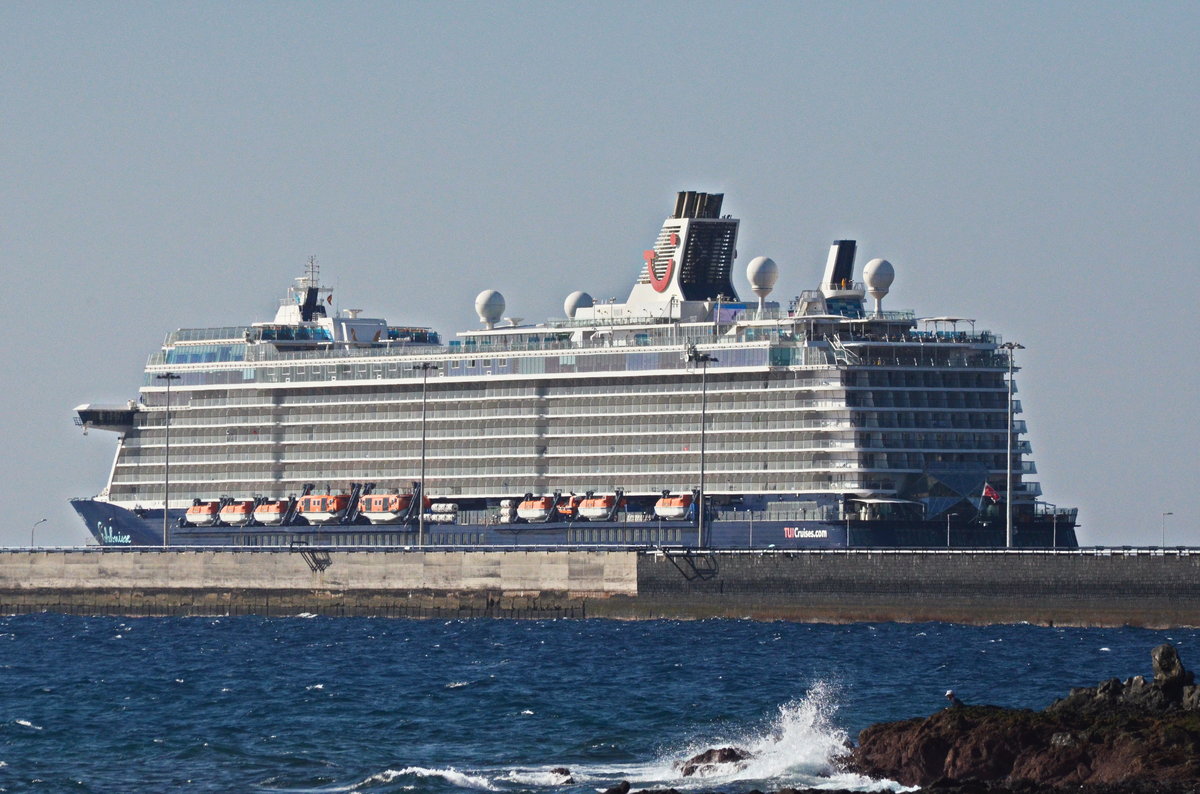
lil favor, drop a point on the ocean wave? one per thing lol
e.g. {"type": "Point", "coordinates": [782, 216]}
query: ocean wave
{"type": "Point", "coordinates": [799, 747]}
{"type": "Point", "coordinates": [449, 774]}
{"type": "Point", "coordinates": [535, 777]}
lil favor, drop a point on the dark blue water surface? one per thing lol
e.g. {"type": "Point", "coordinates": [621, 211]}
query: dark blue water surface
{"type": "Point", "coordinates": [299, 704]}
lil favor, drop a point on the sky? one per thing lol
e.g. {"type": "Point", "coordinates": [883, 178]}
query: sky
{"type": "Point", "coordinates": [1033, 166]}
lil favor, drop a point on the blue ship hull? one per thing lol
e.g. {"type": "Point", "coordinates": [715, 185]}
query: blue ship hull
{"type": "Point", "coordinates": [116, 526]}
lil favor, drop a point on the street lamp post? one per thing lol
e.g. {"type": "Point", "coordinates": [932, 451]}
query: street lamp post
{"type": "Point", "coordinates": [694, 355]}
{"type": "Point", "coordinates": [424, 367]}
{"type": "Point", "coordinates": [1164, 528]}
{"type": "Point", "coordinates": [1053, 526]}
{"type": "Point", "coordinates": [1011, 347]}
{"type": "Point", "coordinates": [948, 517]}
{"type": "Point", "coordinates": [168, 377]}
{"type": "Point", "coordinates": [34, 527]}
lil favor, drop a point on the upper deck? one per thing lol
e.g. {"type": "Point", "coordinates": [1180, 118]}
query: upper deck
{"type": "Point", "coordinates": [683, 297]}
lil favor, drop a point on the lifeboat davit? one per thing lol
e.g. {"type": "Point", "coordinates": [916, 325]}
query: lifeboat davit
{"type": "Point", "coordinates": [536, 509]}
{"type": "Point", "coordinates": [597, 508]}
{"type": "Point", "coordinates": [238, 514]}
{"type": "Point", "coordinates": [203, 514]}
{"type": "Point", "coordinates": [385, 508]}
{"type": "Point", "coordinates": [673, 507]}
{"type": "Point", "coordinates": [271, 514]}
{"type": "Point", "coordinates": [324, 508]}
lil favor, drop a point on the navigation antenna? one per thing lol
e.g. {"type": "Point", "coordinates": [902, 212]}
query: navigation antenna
{"type": "Point", "coordinates": [312, 271]}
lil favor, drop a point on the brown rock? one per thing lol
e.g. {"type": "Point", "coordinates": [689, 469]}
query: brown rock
{"type": "Point", "coordinates": [1140, 733]}
{"type": "Point", "coordinates": [705, 761]}
{"type": "Point", "coordinates": [1168, 669]}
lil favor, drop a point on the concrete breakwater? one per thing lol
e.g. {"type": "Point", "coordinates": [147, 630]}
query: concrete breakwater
{"type": "Point", "coordinates": [1105, 587]}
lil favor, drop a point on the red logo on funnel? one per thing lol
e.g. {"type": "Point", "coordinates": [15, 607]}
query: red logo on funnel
{"type": "Point", "coordinates": [659, 284]}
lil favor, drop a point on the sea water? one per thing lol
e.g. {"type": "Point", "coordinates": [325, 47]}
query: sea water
{"type": "Point", "coordinates": [310, 704]}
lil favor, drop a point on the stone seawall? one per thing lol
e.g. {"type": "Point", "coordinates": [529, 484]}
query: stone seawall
{"type": "Point", "coordinates": [1138, 587]}
{"type": "Point", "coordinates": [1105, 587]}
{"type": "Point", "coordinates": [534, 584]}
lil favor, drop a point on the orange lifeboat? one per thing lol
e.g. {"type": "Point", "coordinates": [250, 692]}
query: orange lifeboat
{"type": "Point", "coordinates": [673, 507]}
{"type": "Point", "coordinates": [238, 513]}
{"type": "Point", "coordinates": [385, 508]}
{"type": "Point", "coordinates": [324, 508]}
{"type": "Point", "coordinates": [203, 514]}
{"type": "Point", "coordinates": [270, 514]}
{"type": "Point", "coordinates": [569, 508]}
{"type": "Point", "coordinates": [536, 509]}
{"type": "Point", "coordinates": [597, 508]}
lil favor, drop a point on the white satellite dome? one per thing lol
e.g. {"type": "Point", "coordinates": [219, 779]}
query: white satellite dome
{"type": "Point", "coordinates": [489, 305]}
{"type": "Point", "coordinates": [577, 300]}
{"type": "Point", "coordinates": [879, 274]}
{"type": "Point", "coordinates": [762, 273]}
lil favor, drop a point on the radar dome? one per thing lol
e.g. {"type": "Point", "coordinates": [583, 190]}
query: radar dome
{"type": "Point", "coordinates": [577, 300]}
{"type": "Point", "coordinates": [762, 273]}
{"type": "Point", "coordinates": [489, 305]}
{"type": "Point", "coordinates": [879, 274]}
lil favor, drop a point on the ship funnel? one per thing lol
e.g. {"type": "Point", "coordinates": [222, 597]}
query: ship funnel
{"type": "Point", "coordinates": [839, 269]}
{"type": "Point", "coordinates": [693, 204]}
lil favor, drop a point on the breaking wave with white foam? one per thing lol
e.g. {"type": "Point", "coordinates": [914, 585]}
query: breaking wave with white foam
{"type": "Point", "coordinates": [450, 775]}
{"type": "Point", "coordinates": [798, 747]}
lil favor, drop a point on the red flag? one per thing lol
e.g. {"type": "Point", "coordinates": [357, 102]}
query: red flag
{"type": "Point", "coordinates": [990, 493]}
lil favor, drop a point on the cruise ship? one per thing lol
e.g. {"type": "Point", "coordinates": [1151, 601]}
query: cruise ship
{"type": "Point", "coordinates": [684, 417]}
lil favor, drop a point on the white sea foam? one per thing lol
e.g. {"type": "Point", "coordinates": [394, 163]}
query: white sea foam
{"type": "Point", "coordinates": [799, 747]}
{"type": "Point", "coordinates": [534, 777]}
{"type": "Point", "coordinates": [457, 684]}
{"type": "Point", "coordinates": [450, 775]}
{"type": "Point", "coordinates": [28, 724]}
{"type": "Point", "coordinates": [314, 686]}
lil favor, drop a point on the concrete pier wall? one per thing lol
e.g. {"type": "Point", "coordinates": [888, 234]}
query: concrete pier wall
{"type": "Point", "coordinates": [1107, 588]}
{"type": "Point", "coordinates": [282, 582]}
{"type": "Point", "coordinates": [1101, 588]}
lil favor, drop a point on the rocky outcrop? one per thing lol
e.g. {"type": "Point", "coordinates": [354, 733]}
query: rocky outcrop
{"type": "Point", "coordinates": [1138, 731]}
{"type": "Point", "coordinates": [711, 760]}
